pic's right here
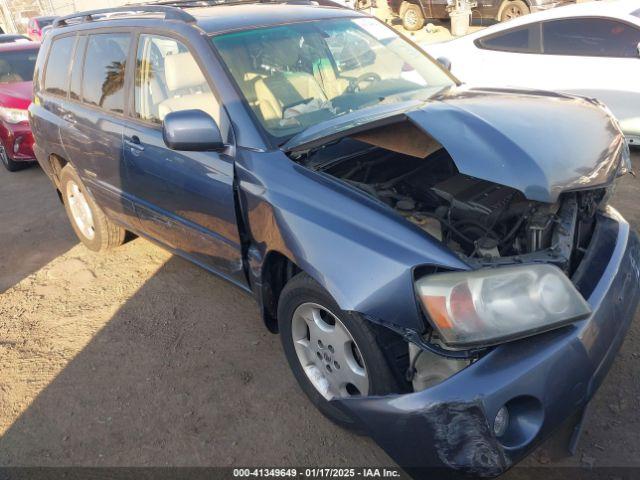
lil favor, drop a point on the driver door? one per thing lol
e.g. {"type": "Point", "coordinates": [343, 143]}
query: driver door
{"type": "Point", "coordinates": [185, 200]}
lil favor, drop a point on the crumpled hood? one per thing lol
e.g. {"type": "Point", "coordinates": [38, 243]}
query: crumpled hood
{"type": "Point", "coordinates": [540, 143]}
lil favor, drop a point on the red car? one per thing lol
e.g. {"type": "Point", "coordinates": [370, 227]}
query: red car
{"type": "Point", "coordinates": [36, 24]}
{"type": "Point", "coordinates": [17, 62]}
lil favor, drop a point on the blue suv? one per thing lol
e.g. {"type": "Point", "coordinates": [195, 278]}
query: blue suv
{"type": "Point", "coordinates": [441, 262]}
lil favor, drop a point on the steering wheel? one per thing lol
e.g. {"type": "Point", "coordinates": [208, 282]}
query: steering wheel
{"type": "Point", "coordinates": [354, 85]}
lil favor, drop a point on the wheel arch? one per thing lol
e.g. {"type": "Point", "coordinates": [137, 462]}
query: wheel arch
{"type": "Point", "coordinates": [277, 270]}
{"type": "Point", "coordinates": [504, 4]}
{"type": "Point", "coordinates": [423, 8]}
{"type": "Point", "coordinates": [56, 164]}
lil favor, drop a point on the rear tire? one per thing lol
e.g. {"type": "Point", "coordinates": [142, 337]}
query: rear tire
{"type": "Point", "coordinates": [89, 222]}
{"type": "Point", "coordinates": [412, 17]}
{"type": "Point", "coordinates": [330, 371]}
{"type": "Point", "coordinates": [514, 9]}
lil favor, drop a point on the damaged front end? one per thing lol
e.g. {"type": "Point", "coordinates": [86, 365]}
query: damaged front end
{"type": "Point", "coordinates": [541, 382]}
{"type": "Point", "coordinates": [467, 171]}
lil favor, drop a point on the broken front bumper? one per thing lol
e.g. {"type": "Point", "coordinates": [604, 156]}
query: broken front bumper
{"type": "Point", "coordinates": [543, 380]}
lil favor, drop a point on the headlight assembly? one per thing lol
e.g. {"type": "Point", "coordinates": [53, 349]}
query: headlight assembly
{"type": "Point", "coordinates": [490, 306]}
{"type": "Point", "coordinates": [13, 115]}
{"type": "Point", "coordinates": [625, 160]}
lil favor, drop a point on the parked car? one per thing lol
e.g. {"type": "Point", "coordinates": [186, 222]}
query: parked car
{"type": "Point", "coordinates": [17, 61]}
{"type": "Point", "coordinates": [413, 13]}
{"type": "Point", "coordinates": [12, 38]}
{"type": "Point", "coordinates": [590, 49]}
{"type": "Point", "coordinates": [35, 26]}
{"type": "Point", "coordinates": [439, 280]}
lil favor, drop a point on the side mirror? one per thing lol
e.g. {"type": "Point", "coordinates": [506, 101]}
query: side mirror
{"type": "Point", "coordinates": [445, 62]}
{"type": "Point", "coordinates": [639, 49]}
{"type": "Point", "coordinates": [191, 131]}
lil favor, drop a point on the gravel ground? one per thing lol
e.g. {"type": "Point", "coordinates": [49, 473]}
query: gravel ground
{"type": "Point", "coordinates": [139, 358]}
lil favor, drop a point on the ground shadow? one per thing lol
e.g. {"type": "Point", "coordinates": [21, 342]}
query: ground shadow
{"type": "Point", "coordinates": [183, 374]}
{"type": "Point", "coordinates": [33, 225]}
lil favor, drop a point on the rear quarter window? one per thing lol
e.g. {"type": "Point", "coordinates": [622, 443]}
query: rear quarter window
{"type": "Point", "coordinates": [104, 70]}
{"type": "Point", "coordinates": [56, 76]}
{"type": "Point", "coordinates": [524, 39]}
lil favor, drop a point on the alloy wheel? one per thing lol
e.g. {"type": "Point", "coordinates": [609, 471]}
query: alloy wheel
{"type": "Point", "coordinates": [328, 353]}
{"type": "Point", "coordinates": [80, 210]}
{"type": "Point", "coordinates": [411, 18]}
{"type": "Point", "coordinates": [512, 11]}
{"type": "Point", "coordinates": [3, 156]}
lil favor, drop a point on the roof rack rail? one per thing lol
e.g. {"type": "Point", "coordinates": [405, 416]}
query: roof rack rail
{"type": "Point", "coordinates": [214, 3]}
{"type": "Point", "coordinates": [170, 13]}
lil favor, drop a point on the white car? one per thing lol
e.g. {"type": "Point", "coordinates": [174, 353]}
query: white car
{"type": "Point", "coordinates": [590, 49]}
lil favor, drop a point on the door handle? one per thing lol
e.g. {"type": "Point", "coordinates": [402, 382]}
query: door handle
{"type": "Point", "coordinates": [69, 117]}
{"type": "Point", "coordinates": [134, 144]}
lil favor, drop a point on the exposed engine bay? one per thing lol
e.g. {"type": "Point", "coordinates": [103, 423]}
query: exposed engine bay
{"type": "Point", "coordinates": [481, 221]}
{"type": "Point", "coordinates": [484, 223]}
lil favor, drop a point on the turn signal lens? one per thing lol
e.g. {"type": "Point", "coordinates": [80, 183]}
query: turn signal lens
{"type": "Point", "coordinates": [501, 422]}
{"type": "Point", "coordinates": [491, 306]}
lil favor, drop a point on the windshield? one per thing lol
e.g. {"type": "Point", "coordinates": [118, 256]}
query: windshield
{"type": "Point", "coordinates": [295, 76]}
{"type": "Point", "coordinates": [17, 66]}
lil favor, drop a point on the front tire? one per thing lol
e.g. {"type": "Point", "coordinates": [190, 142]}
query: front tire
{"type": "Point", "coordinates": [332, 354]}
{"type": "Point", "coordinates": [514, 9]}
{"type": "Point", "coordinates": [9, 164]}
{"type": "Point", "coordinates": [89, 222]}
{"type": "Point", "coordinates": [412, 17]}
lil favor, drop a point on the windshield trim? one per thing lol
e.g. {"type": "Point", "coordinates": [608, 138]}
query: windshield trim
{"type": "Point", "coordinates": [276, 143]}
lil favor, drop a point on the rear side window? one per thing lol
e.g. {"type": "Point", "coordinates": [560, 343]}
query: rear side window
{"type": "Point", "coordinates": [597, 37]}
{"type": "Point", "coordinates": [525, 39]}
{"type": "Point", "coordinates": [104, 70]}
{"type": "Point", "coordinates": [56, 76]}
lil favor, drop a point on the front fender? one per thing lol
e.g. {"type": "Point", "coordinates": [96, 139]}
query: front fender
{"type": "Point", "coordinates": [360, 251]}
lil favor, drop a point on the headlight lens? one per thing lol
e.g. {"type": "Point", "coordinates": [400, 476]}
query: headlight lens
{"type": "Point", "coordinates": [14, 115]}
{"type": "Point", "coordinates": [625, 160]}
{"type": "Point", "coordinates": [491, 306]}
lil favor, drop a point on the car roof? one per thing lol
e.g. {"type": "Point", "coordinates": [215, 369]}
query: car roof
{"type": "Point", "coordinates": [607, 8]}
{"type": "Point", "coordinates": [5, 47]}
{"type": "Point", "coordinates": [621, 9]}
{"type": "Point", "coordinates": [226, 18]}
{"type": "Point", "coordinates": [215, 19]}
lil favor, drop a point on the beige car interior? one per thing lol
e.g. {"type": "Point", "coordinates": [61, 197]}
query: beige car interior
{"type": "Point", "coordinates": [270, 95]}
{"type": "Point", "coordinates": [180, 86]}
{"type": "Point", "coordinates": [188, 87]}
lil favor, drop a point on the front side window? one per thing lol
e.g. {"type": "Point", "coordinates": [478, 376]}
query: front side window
{"type": "Point", "coordinates": [104, 70]}
{"type": "Point", "coordinates": [56, 76]}
{"type": "Point", "coordinates": [294, 76]}
{"type": "Point", "coordinates": [522, 40]}
{"type": "Point", "coordinates": [168, 79]}
{"type": "Point", "coordinates": [17, 66]}
{"type": "Point", "coordinates": [597, 37]}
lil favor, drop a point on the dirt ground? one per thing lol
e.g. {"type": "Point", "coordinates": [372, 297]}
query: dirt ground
{"type": "Point", "coordinates": [138, 358]}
